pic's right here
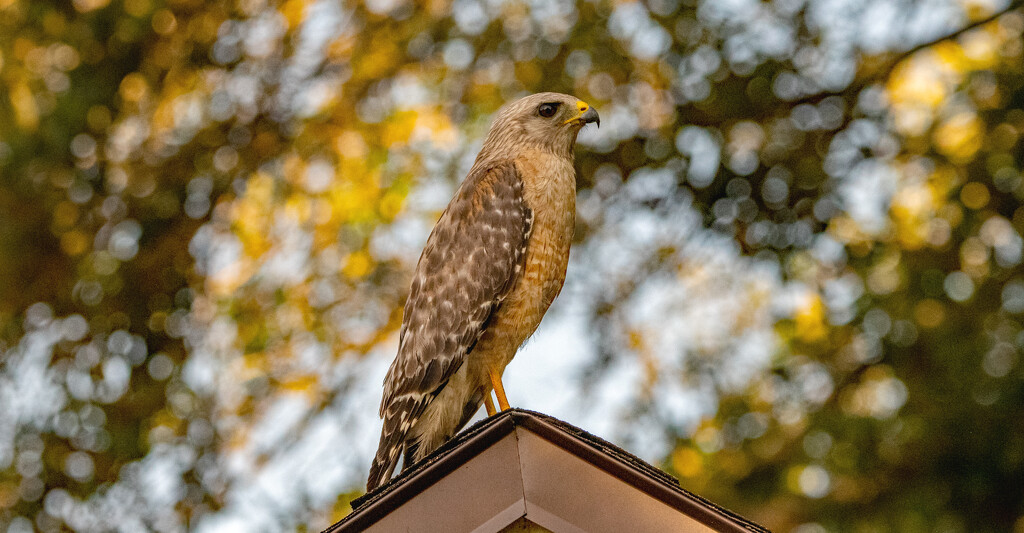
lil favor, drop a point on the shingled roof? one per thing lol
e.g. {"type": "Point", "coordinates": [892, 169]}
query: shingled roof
{"type": "Point", "coordinates": [524, 471]}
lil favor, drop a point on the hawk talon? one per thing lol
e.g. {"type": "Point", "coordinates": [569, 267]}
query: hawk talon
{"type": "Point", "coordinates": [499, 390]}
{"type": "Point", "coordinates": [489, 405]}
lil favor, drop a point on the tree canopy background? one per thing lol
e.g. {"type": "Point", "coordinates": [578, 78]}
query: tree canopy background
{"type": "Point", "coordinates": [796, 286]}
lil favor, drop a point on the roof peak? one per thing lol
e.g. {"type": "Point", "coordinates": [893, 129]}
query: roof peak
{"type": "Point", "coordinates": [547, 459]}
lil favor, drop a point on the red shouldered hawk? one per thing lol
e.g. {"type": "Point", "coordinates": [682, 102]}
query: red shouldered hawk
{"type": "Point", "coordinates": [492, 265]}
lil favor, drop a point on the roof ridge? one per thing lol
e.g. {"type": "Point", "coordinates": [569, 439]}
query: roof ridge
{"type": "Point", "coordinates": [599, 452]}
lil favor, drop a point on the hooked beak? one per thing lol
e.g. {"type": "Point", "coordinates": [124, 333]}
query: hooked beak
{"type": "Point", "coordinates": [586, 114]}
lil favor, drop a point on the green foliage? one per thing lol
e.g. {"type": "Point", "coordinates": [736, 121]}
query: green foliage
{"type": "Point", "coordinates": [210, 210]}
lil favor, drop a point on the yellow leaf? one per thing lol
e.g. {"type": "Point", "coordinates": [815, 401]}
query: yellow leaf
{"type": "Point", "coordinates": [350, 145]}
{"type": "Point", "coordinates": [960, 137]}
{"type": "Point", "coordinates": [687, 462]}
{"type": "Point", "coordinates": [307, 383]}
{"type": "Point", "coordinates": [810, 320]}
{"type": "Point", "coordinates": [133, 87]}
{"type": "Point", "coordinates": [357, 264]}
{"type": "Point", "coordinates": [26, 112]}
{"type": "Point", "coordinates": [917, 81]}
{"type": "Point", "coordinates": [975, 195]}
{"type": "Point", "coordinates": [398, 129]}
{"type": "Point", "coordinates": [929, 313]}
{"type": "Point", "coordinates": [74, 242]}
{"type": "Point", "coordinates": [294, 12]}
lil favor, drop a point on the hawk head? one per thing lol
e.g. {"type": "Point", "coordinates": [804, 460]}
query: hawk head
{"type": "Point", "coordinates": [548, 121]}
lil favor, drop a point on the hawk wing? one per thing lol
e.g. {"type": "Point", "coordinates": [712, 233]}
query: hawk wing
{"type": "Point", "coordinates": [471, 261]}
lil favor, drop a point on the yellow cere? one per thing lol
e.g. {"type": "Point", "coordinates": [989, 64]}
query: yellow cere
{"type": "Point", "coordinates": [582, 107]}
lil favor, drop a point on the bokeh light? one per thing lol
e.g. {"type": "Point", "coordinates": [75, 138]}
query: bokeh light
{"type": "Point", "coordinates": [795, 283]}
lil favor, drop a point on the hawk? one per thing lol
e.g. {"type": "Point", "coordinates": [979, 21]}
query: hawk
{"type": "Point", "coordinates": [491, 267]}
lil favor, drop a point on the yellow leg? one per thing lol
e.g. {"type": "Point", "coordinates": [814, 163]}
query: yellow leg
{"type": "Point", "coordinates": [499, 390]}
{"type": "Point", "coordinates": [489, 405]}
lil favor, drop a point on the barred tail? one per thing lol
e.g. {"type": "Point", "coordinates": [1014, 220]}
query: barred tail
{"type": "Point", "coordinates": [384, 462]}
{"type": "Point", "coordinates": [399, 418]}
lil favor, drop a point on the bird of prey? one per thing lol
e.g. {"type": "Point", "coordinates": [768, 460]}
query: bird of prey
{"type": "Point", "coordinates": [491, 267]}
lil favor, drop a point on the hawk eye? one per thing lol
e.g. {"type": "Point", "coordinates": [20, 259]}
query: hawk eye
{"type": "Point", "coordinates": [547, 110]}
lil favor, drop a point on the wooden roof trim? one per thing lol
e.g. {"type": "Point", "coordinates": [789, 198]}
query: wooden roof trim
{"type": "Point", "coordinates": [371, 507]}
{"type": "Point", "coordinates": [601, 454]}
{"type": "Point", "coordinates": [636, 472]}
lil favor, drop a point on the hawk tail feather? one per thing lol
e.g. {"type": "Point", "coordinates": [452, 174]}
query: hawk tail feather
{"type": "Point", "coordinates": [385, 461]}
{"type": "Point", "coordinates": [399, 417]}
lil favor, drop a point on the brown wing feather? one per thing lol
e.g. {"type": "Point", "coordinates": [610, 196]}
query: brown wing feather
{"type": "Point", "coordinates": [470, 262]}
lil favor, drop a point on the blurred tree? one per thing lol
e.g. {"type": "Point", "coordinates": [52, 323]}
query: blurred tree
{"type": "Point", "coordinates": [801, 228]}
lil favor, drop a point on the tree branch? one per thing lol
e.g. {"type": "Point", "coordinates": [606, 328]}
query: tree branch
{"type": "Point", "coordinates": [898, 58]}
